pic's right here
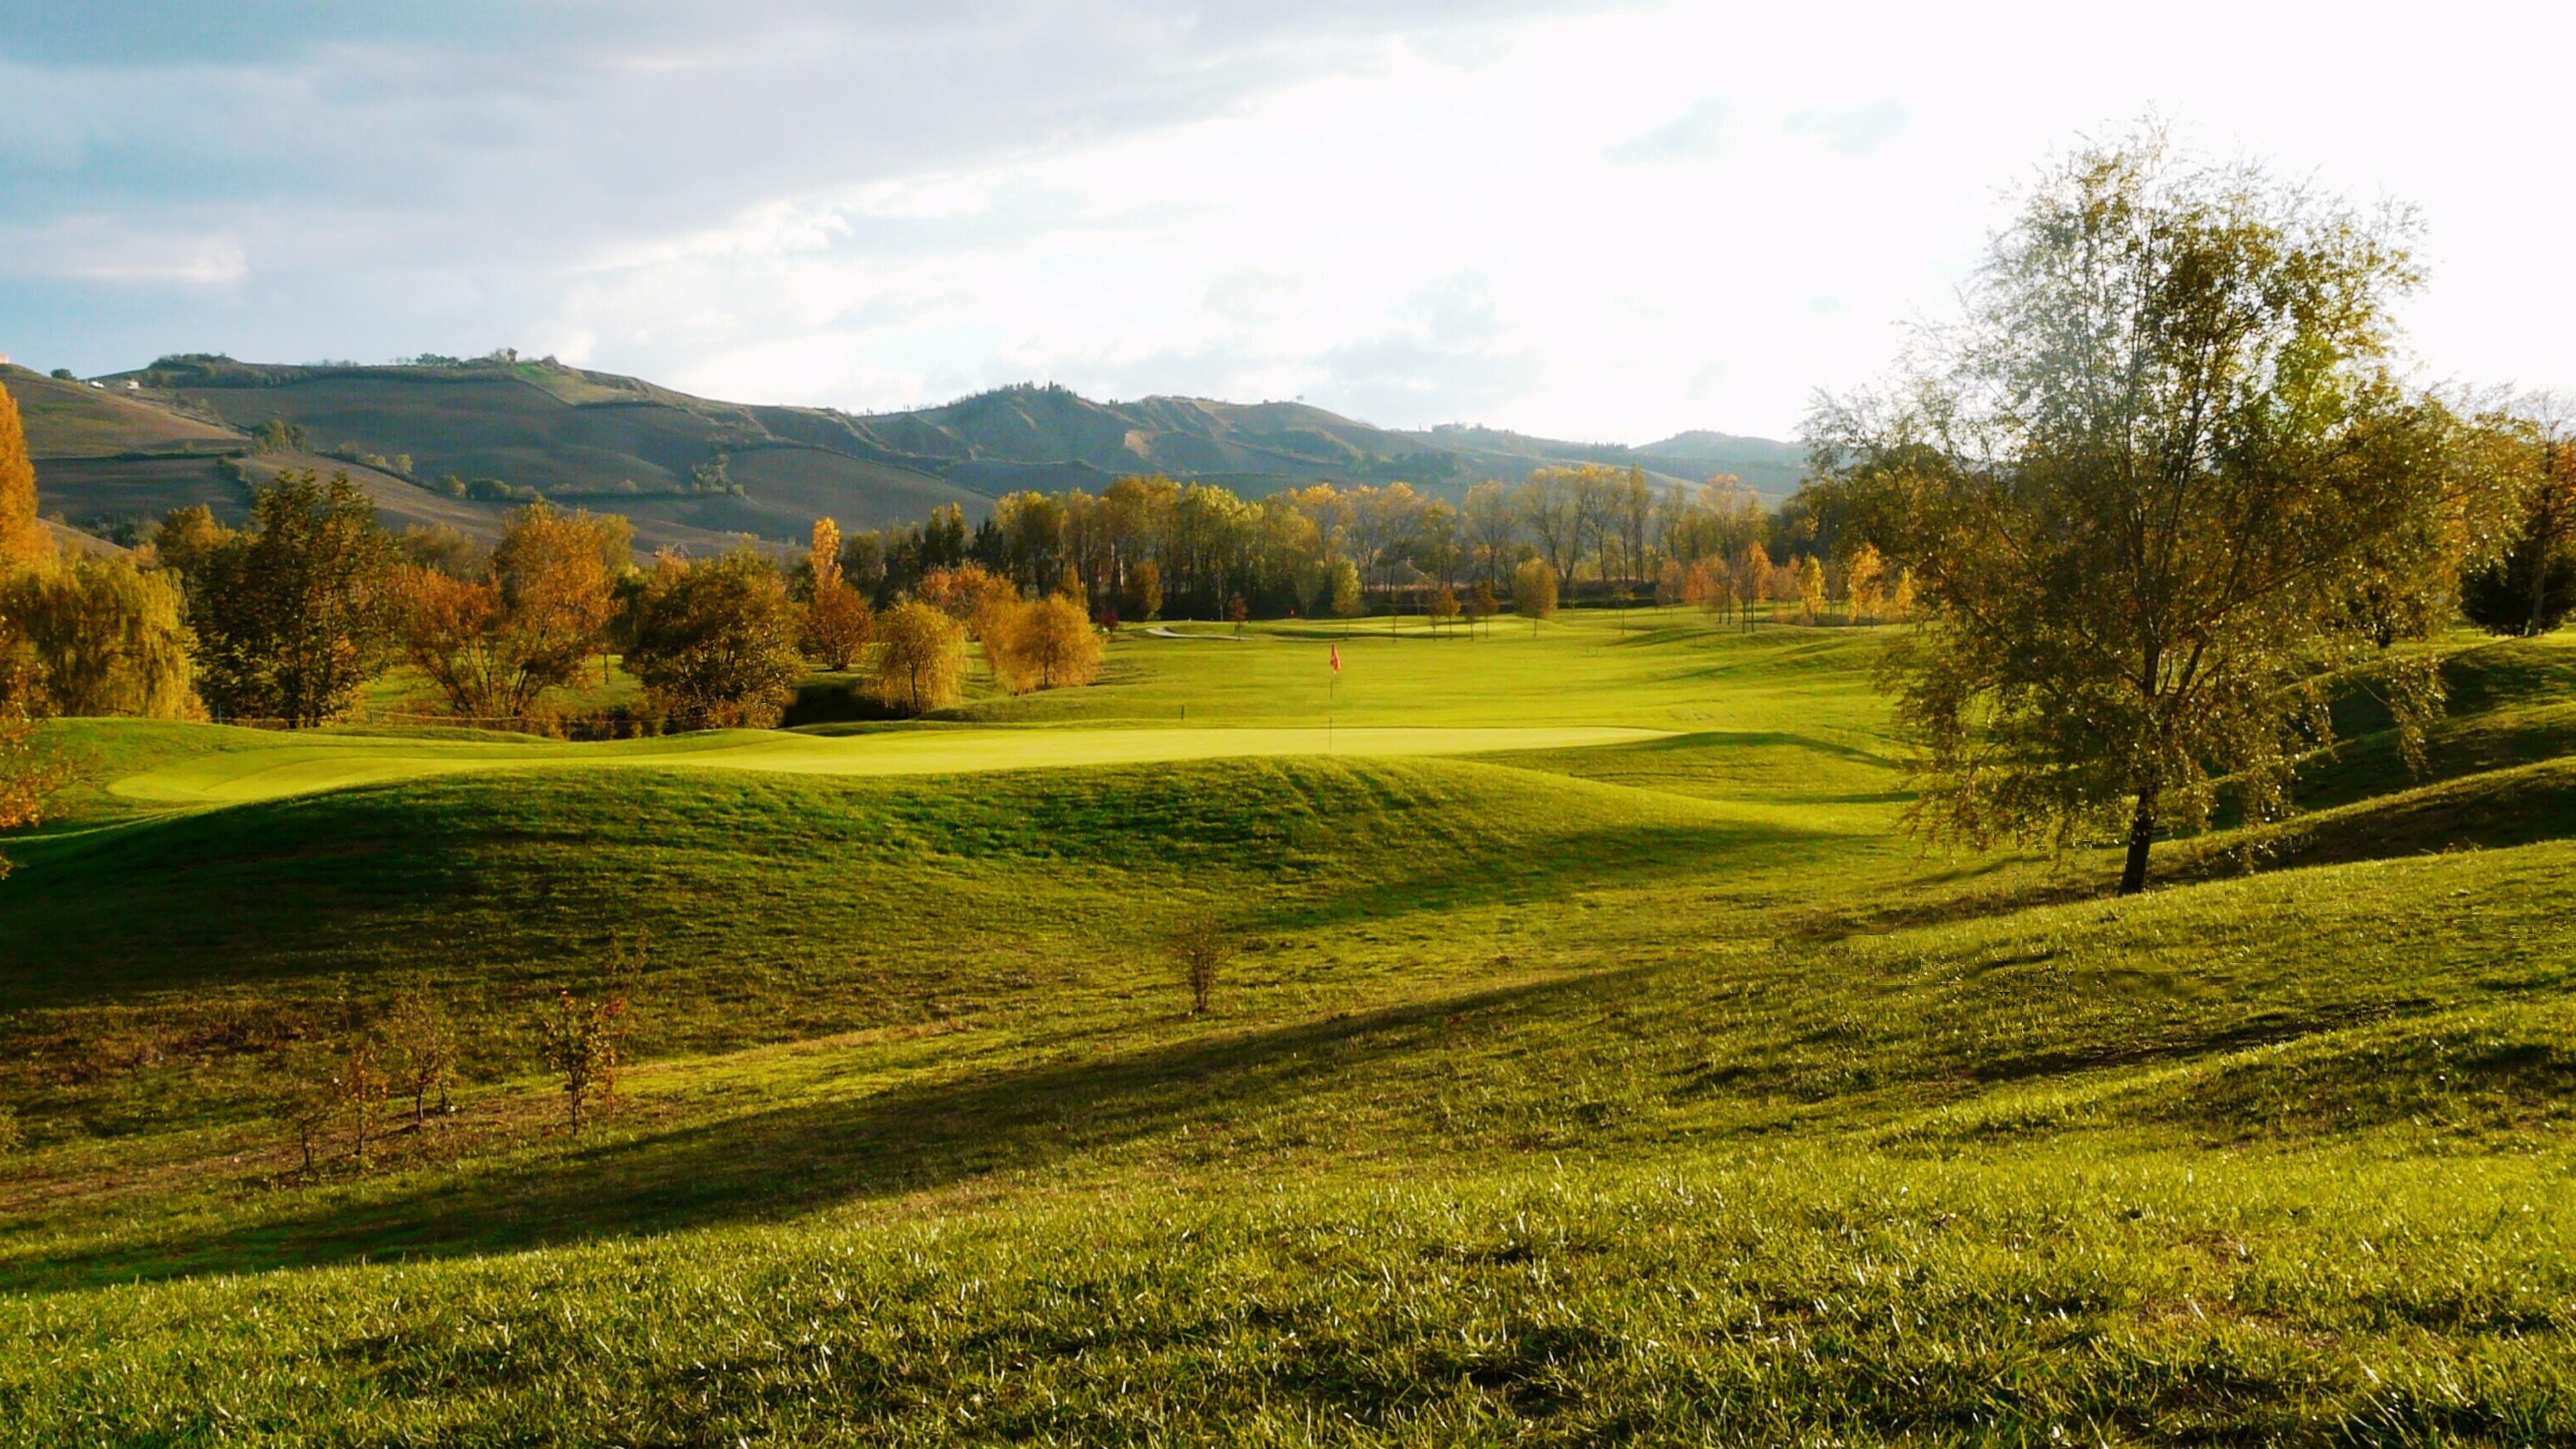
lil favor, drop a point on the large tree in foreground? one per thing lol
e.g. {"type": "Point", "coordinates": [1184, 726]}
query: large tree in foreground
{"type": "Point", "coordinates": [2161, 490]}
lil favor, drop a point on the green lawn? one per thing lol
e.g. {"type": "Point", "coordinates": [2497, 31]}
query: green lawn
{"type": "Point", "coordinates": [1597, 1064]}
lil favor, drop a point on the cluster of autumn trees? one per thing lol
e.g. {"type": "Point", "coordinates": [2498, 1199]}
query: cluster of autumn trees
{"type": "Point", "coordinates": [1148, 547]}
{"type": "Point", "coordinates": [1034, 640]}
{"type": "Point", "coordinates": [289, 618]}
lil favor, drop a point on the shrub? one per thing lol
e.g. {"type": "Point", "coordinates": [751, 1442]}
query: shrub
{"type": "Point", "coordinates": [419, 1051]}
{"type": "Point", "coordinates": [1201, 948]}
{"type": "Point", "coordinates": [303, 1094]}
{"type": "Point", "coordinates": [583, 1043]}
{"type": "Point", "coordinates": [358, 1092]}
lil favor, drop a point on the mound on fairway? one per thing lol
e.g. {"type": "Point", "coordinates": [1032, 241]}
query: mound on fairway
{"type": "Point", "coordinates": [331, 762]}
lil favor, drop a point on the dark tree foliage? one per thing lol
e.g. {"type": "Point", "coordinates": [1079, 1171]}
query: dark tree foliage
{"type": "Point", "coordinates": [2500, 597]}
{"type": "Point", "coordinates": [2161, 490]}
{"type": "Point", "coordinates": [293, 617]}
{"type": "Point", "coordinates": [715, 643]}
{"type": "Point", "coordinates": [2530, 587]}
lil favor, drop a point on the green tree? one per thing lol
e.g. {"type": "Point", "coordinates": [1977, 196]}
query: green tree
{"type": "Point", "coordinates": [1345, 576]}
{"type": "Point", "coordinates": [715, 643]}
{"type": "Point", "coordinates": [187, 538]}
{"type": "Point", "coordinates": [2531, 585]}
{"type": "Point", "coordinates": [293, 618]}
{"type": "Point", "coordinates": [2159, 484]}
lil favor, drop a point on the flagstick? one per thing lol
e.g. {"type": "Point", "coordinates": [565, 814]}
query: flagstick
{"type": "Point", "coordinates": [1332, 693]}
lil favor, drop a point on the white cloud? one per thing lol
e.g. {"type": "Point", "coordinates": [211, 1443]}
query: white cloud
{"type": "Point", "coordinates": [1602, 223]}
{"type": "Point", "coordinates": [1706, 129]}
{"type": "Point", "coordinates": [1852, 130]}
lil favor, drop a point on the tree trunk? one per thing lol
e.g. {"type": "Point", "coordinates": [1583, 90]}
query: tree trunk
{"type": "Point", "coordinates": [2543, 540]}
{"type": "Point", "coordinates": [2142, 834]}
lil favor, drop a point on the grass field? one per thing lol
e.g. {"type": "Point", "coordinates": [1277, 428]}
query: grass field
{"type": "Point", "coordinates": [1597, 1064]}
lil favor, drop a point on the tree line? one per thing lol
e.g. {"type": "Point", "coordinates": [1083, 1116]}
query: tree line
{"type": "Point", "coordinates": [1149, 547]}
{"type": "Point", "coordinates": [290, 618]}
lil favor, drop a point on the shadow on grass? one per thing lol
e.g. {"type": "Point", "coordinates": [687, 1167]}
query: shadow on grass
{"type": "Point", "coordinates": [771, 1165]}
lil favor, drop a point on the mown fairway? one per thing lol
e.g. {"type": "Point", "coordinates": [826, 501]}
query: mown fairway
{"type": "Point", "coordinates": [1598, 1065]}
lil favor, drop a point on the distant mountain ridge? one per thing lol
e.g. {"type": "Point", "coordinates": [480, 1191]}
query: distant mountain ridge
{"type": "Point", "coordinates": [458, 442]}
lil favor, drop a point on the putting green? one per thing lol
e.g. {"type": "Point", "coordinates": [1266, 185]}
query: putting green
{"type": "Point", "coordinates": [332, 762]}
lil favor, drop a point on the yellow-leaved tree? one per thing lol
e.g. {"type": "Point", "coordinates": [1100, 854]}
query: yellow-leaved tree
{"type": "Point", "coordinates": [1752, 579]}
{"type": "Point", "coordinates": [838, 621]}
{"type": "Point", "coordinates": [1863, 578]}
{"type": "Point", "coordinates": [921, 658]}
{"type": "Point", "coordinates": [23, 539]}
{"type": "Point", "coordinates": [1043, 644]}
{"type": "Point", "coordinates": [1534, 591]}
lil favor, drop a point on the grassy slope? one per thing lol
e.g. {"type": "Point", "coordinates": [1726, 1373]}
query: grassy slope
{"type": "Point", "coordinates": [1552, 1098]}
{"type": "Point", "coordinates": [74, 420]}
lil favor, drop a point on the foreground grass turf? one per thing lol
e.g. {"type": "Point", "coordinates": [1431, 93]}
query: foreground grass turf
{"type": "Point", "coordinates": [1643, 1089]}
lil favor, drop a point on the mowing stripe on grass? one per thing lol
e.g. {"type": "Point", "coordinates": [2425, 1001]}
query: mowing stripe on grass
{"type": "Point", "coordinates": [330, 764]}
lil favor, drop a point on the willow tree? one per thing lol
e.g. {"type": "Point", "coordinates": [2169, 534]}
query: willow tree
{"type": "Point", "coordinates": [2162, 492]}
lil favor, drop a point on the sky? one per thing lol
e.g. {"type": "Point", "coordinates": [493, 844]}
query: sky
{"type": "Point", "coordinates": [1602, 222]}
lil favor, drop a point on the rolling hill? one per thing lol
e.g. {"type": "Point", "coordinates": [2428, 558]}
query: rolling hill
{"type": "Point", "coordinates": [445, 443]}
{"type": "Point", "coordinates": [1623, 1081]}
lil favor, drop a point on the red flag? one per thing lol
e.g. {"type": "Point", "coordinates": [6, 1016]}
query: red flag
{"type": "Point", "coordinates": [1337, 659]}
